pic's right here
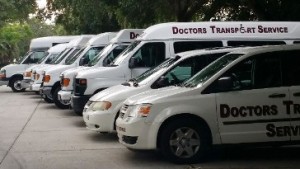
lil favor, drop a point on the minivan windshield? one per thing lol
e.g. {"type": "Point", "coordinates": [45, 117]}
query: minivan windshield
{"type": "Point", "coordinates": [210, 70]}
{"type": "Point", "coordinates": [124, 54]}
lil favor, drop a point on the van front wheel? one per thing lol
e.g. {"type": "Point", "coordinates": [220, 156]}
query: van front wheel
{"type": "Point", "coordinates": [16, 84]}
{"type": "Point", "coordinates": [57, 101]}
{"type": "Point", "coordinates": [184, 141]}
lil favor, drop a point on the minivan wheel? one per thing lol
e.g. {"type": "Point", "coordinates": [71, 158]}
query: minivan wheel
{"type": "Point", "coordinates": [16, 84]}
{"type": "Point", "coordinates": [184, 141]}
{"type": "Point", "coordinates": [56, 100]}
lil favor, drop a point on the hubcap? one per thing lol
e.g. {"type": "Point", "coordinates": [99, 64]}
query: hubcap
{"type": "Point", "coordinates": [184, 142]}
{"type": "Point", "coordinates": [17, 85]}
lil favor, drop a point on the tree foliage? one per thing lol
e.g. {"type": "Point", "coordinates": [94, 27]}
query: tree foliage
{"type": "Point", "coordinates": [15, 10]}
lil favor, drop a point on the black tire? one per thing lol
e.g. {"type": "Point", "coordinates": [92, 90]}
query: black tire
{"type": "Point", "coordinates": [57, 102]}
{"type": "Point", "coordinates": [37, 92]}
{"type": "Point", "coordinates": [190, 140]}
{"type": "Point", "coordinates": [48, 100]}
{"type": "Point", "coordinates": [15, 84]}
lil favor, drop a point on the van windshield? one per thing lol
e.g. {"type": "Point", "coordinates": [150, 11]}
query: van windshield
{"type": "Point", "coordinates": [51, 57]}
{"type": "Point", "coordinates": [210, 70]}
{"type": "Point", "coordinates": [156, 69]}
{"type": "Point", "coordinates": [24, 57]}
{"type": "Point", "coordinates": [73, 56]}
{"type": "Point", "coordinates": [44, 57]}
{"type": "Point", "coordinates": [95, 60]}
{"type": "Point", "coordinates": [60, 57]}
{"type": "Point", "coordinates": [125, 53]}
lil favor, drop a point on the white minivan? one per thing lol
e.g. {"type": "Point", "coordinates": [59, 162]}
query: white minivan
{"type": "Point", "coordinates": [12, 74]}
{"type": "Point", "coordinates": [162, 41]}
{"type": "Point", "coordinates": [103, 59]}
{"type": "Point", "coordinates": [102, 109]}
{"type": "Point", "coordinates": [249, 96]}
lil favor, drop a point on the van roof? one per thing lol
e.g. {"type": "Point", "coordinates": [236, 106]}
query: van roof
{"type": "Point", "coordinates": [223, 30]}
{"type": "Point", "coordinates": [80, 41]}
{"type": "Point", "coordinates": [58, 48]}
{"type": "Point", "coordinates": [101, 39]}
{"type": "Point", "coordinates": [127, 35]}
{"type": "Point", "coordinates": [49, 41]}
{"type": "Point", "coordinates": [210, 50]}
{"type": "Point", "coordinates": [267, 48]}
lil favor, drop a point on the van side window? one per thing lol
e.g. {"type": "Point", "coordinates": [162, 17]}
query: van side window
{"type": "Point", "coordinates": [254, 43]}
{"type": "Point", "coordinates": [291, 68]}
{"type": "Point", "coordinates": [192, 45]}
{"type": "Point", "coordinates": [260, 71]}
{"type": "Point", "coordinates": [150, 54]}
{"type": "Point", "coordinates": [296, 42]}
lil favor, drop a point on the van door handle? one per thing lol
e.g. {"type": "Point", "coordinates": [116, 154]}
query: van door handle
{"type": "Point", "coordinates": [276, 95]}
{"type": "Point", "coordinates": [296, 94]}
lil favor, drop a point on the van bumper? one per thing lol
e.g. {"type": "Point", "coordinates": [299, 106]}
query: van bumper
{"type": "Point", "coordinates": [4, 82]}
{"type": "Point", "coordinates": [65, 96]}
{"type": "Point", "coordinates": [35, 87]}
{"type": "Point", "coordinates": [46, 92]}
{"type": "Point", "coordinates": [78, 103]}
{"type": "Point", "coordinates": [26, 83]}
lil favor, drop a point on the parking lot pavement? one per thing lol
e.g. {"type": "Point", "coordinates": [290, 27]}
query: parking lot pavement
{"type": "Point", "coordinates": [37, 135]}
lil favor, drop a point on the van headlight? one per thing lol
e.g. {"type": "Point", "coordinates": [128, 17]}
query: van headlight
{"type": "Point", "coordinates": [140, 110]}
{"type": "Point", "coordinates": [100, 105]}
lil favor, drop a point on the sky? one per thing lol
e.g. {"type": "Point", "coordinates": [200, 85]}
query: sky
{"type": "Point", "coordinates": [41, 3]}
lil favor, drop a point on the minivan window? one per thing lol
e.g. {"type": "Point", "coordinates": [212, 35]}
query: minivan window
{"type": "Point", "coordinates": [182, 46]}
{"type": "Point", "coordinates": [254, 43]}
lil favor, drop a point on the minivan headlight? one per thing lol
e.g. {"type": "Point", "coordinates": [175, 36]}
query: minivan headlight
{"type": "Point", "coordinates": [140, 110]}
{"type": "Point", "coordinates": [100, 105]}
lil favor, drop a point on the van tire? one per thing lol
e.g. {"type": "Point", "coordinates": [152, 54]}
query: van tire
{"type": "Point", "coordinates": [48, 100]}
{"type": "Point", "coordinates": [57, 102]}
{"type": "Point", "coordinates": [15, 84]}
{"type": "Point", "coordinates": [177, 131]}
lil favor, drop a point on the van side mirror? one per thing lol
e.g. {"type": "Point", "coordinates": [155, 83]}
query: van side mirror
{"type": "Point", "coordinates": [81, 61]}
{"type": "Point", "coordinates": [225, 83]}
{"type": "Point", "coordinates": [132, 62]}
{"type": "Point", "coordinates": [161, 82]}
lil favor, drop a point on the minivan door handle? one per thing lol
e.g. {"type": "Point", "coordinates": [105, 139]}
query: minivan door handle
{"type": "Point", "coordinates": [296, 94]}
{"type": "Point", "coordinates": [276, 95]}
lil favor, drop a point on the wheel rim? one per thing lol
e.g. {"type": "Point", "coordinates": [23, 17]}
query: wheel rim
{"type": "Point", "coordinates": [184, 142]}
{"type": "Point", "coordinates": [17, 85]}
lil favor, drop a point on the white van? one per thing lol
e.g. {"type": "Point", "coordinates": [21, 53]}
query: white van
{"type": "Point", "coordinates": [109, 53]}
{"type": "Point", "coordinates": [162, 41]}
{"type": "Point", "coordinates": [102, 109]}
{"type": "Point", "coordinates": [12, 75]}
{"type": "Point", "coordinates": [51, 84]}
{"type": "Point", "coordinates": [28, 76]}
{"type": "Point", "coordinates": [250, 96]}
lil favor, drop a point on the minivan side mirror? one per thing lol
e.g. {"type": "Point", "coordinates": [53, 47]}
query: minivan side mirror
{"type": "Point", "coordinates": [225, 83]}
{"type": "Point", "coordinates": [132, 62]}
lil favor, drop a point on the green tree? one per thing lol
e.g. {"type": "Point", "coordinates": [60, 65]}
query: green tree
{"type": "Point", "coordinates": [83, 16]}
{"type": "Point", "coordinates": [15, 10]}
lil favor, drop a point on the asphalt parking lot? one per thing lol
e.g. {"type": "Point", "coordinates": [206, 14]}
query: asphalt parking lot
{"type": "Point", "coordinates": [35, 135]}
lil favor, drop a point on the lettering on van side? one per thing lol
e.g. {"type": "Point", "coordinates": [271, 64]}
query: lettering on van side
{"type": "Point", "coordinates": [133, 35]}
{"type": "Point", "coordinates": [282, 131]}
{"type": "Point", "coordinates": [231, 30]}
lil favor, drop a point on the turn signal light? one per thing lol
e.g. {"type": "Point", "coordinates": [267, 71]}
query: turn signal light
{"type": "Point", "coordinates": [47, 78]}
{"type": "Point", "coordinates": [27, 74]}
{"type": "Point", "coordinates": [66, 82]}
